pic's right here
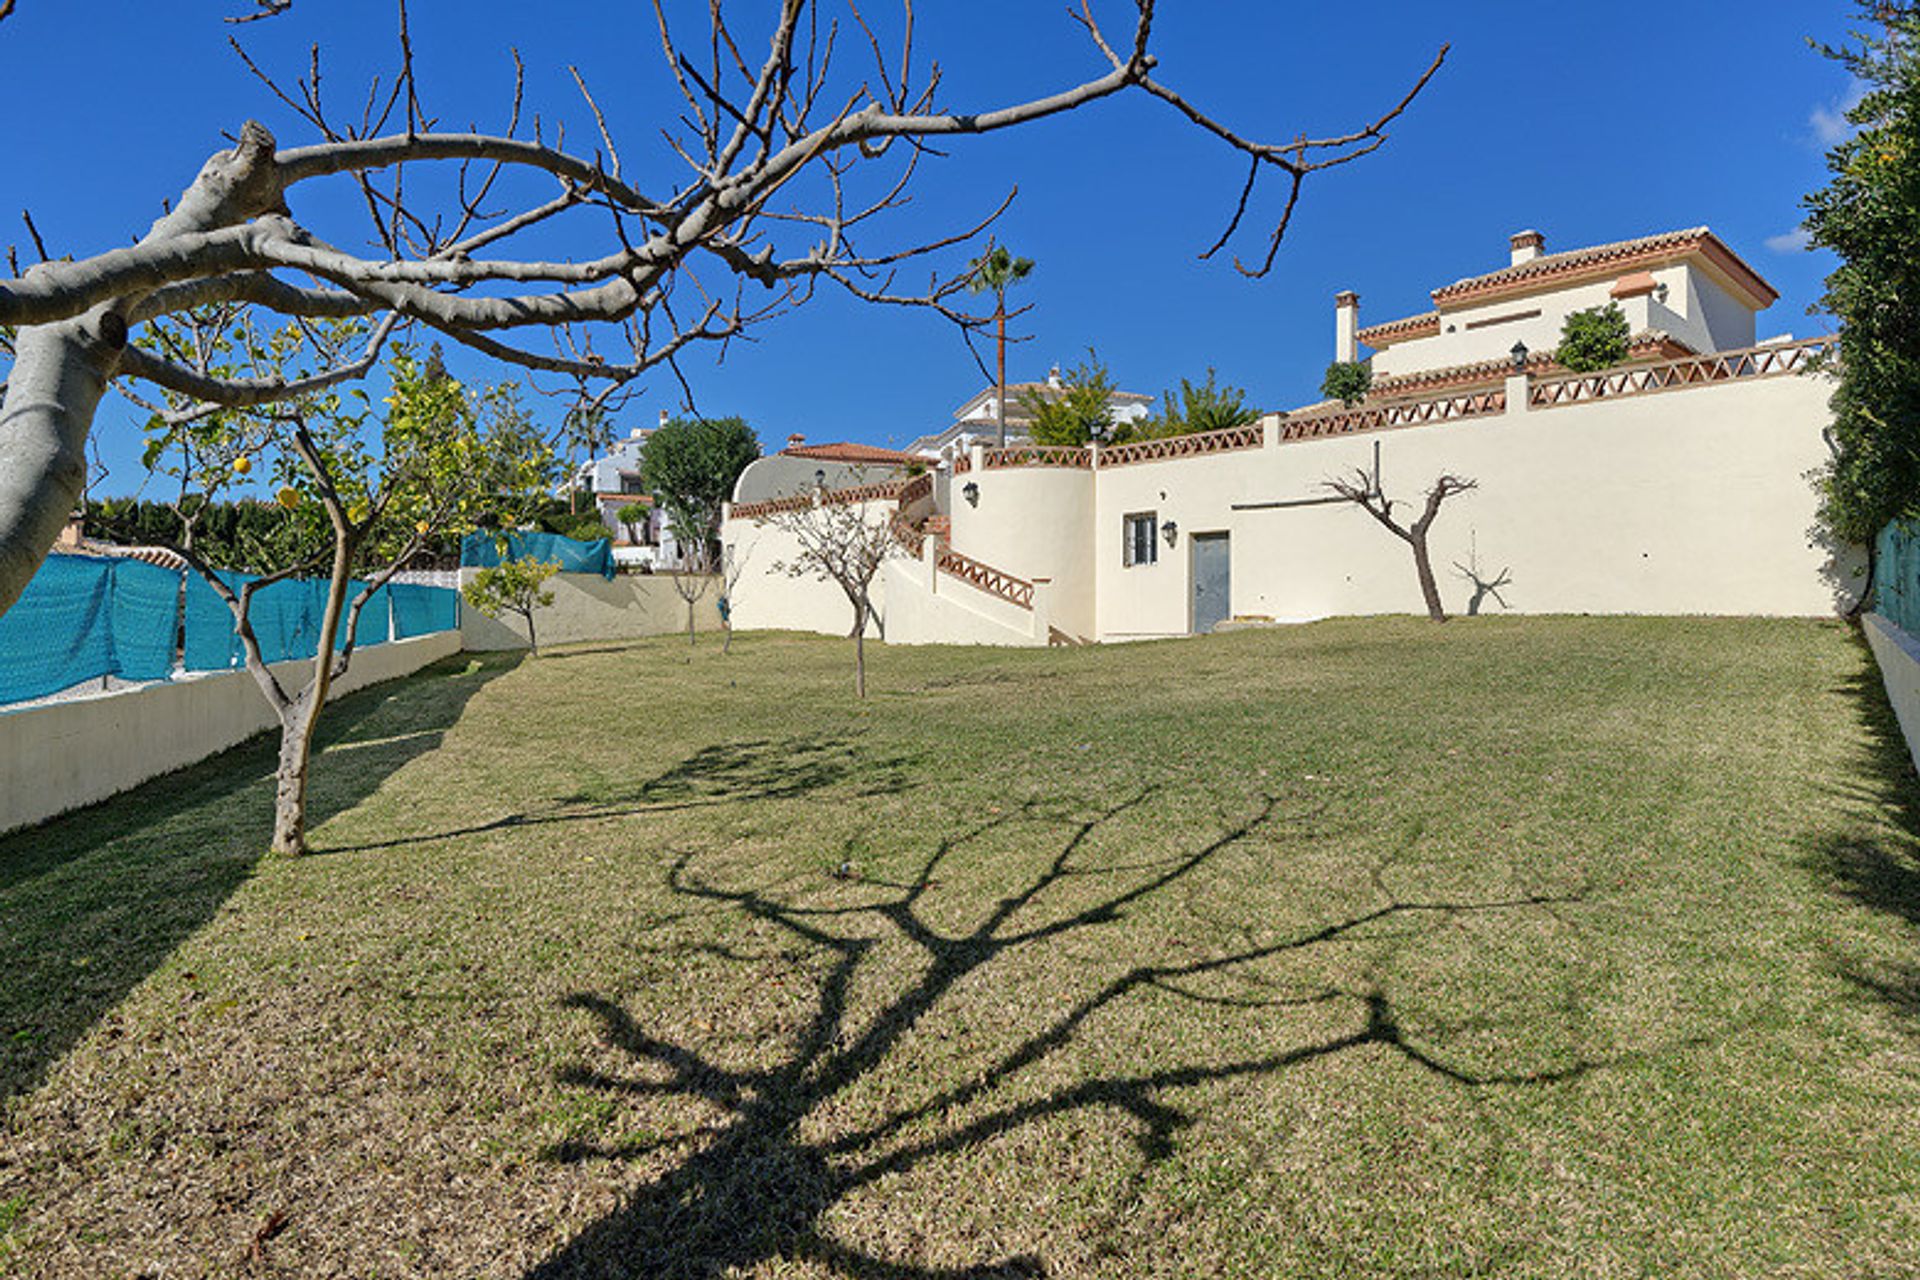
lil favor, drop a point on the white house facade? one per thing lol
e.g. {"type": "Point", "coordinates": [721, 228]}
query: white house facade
{"type": "Point", "coordinates": [1675, 483]}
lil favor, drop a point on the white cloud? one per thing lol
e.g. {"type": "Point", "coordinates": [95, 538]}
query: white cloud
{"type": "Point", "coordinates": [1795, 241]}
{"type": "Point", "coordinates": [1829, 122]}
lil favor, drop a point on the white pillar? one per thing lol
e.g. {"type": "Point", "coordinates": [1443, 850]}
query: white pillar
{"type": "Point", "coordinates": [1517, 387]}
{"type": "Point", "coordinates": [1346, 326]}
{"type": "Point", "coordinates": [1270, 431]}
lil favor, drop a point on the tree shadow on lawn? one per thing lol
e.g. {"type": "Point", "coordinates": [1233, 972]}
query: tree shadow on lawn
{"type": "Point", "coordinates": [1880, 873]}
{"type": "Point", "coordinates": [93, 901]}
{"type": "Point", "coordinates": [758, 1187]}
{"type": "Point", "coordinates": [725, 773]}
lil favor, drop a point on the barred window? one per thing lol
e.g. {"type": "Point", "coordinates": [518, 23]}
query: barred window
{"type": "Point", "coordinates": [1138, 546]}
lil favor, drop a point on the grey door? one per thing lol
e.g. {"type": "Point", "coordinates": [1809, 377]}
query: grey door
{"type": "Point", "coordinates": [1212, 580]}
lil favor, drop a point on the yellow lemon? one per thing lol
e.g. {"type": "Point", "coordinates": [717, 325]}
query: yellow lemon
{"type": "Point", "coordinates": [289, 498]}
{"type": "Point", "coordinates": [242, 465]}
{"type": "Point", "coordinates": [424, 527]}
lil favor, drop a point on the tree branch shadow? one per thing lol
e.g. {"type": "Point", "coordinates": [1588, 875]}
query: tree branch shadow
{"type": "Point", "coordinates": [725, 773]}
{"type": "Point", "coordinates": [756, 1189]}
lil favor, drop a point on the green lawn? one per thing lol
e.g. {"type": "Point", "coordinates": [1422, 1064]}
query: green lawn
{"type": "Point", "coordinates": [1550, 947]}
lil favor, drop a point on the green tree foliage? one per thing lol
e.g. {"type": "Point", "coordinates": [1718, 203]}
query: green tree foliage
{"type": "Point", "coordinates": [1347, 381]}
{"type": "Point", "coordinates": [1206, 406]}
{"type": "Point", "coordinates": [359, 491]}
{"type": "Point", "coordinates": [1593, 339]}
{"type": "Point", "coordinates": [632, 516]}
{"type": "Point", "coordinates": [1081, 411]}
{"type": "Point", "coordinates": [692, 463]}
{"type": "Point", "coordinates": [513, 586]}
{"type": "Point", "coordinates": [234, 534]}
{"type": "Point", "coordinates": [1869, 214]}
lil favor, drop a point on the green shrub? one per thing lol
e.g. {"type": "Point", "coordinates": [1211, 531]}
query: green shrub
{"type": "Point", "coordinates": [1347, 381]}
{"type": "Point", "coordinates": [1593, 339]}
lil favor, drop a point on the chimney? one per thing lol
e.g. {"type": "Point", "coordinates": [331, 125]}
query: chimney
{"type": "Point", "coordinates": [1053, 378]}
{"type": "Point", "coordinates": [795, 440]}
{"type": "Point", "coordinates": [72, 534]}
{"type": "Point", "coordinates": [1346, 326]}
{"type": "Point", "coordinates": [663, 417]}
{"type": "Point", "coordinates": [1526, 246]}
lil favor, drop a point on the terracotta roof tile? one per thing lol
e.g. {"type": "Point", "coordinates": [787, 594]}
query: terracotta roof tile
{"type": "Point", "coordinates": [850, 452]}
{"type": "Point", "coordinates": [1601, 258]}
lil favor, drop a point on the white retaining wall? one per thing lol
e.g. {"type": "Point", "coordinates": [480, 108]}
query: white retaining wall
{"type": "Point", "coordinates": [62, 755]}
{"type": "Point", "coordinates": [1898, 656]}
{"type": "Point", "coordinates": [589, 607]}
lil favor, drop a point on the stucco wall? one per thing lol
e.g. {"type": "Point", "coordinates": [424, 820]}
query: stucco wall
{"type": "Point", "coordinates": [781, 475]}
{"type": "Point", "coordinates": [1690, 501]}
{"type": "Point", "coordinates": [62, 755]}
{"type": "Point", "coordinates": [936, 608]}
{"type": "Point", "coordinates": [1898, 657]}
{"type": "Point", "coordinates": [1697, 310]}
{"type": "Point", "coordinates": [587, 606]}
{"type": "Point", "coordinates": [767, 598]}
{"type": "Point", "coordinates": [1051, 537]}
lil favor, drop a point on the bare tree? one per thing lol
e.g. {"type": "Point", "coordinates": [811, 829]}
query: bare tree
{"type": "Point", "coordinates": [1483, 587]}
{"type": "Point", "coordinates": [844, 543]}
{"type": "Point", "coordinates": [691, 580]}
{"type": "Point", "coordinates": [838, 144]}
{"type": "Point", "coordinates": [1362, 491]}
{"type": "Point", "coordinates": [733, 566]}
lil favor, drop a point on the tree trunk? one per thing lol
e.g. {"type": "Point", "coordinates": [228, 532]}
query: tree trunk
{"type": "Point", "coordinates": [59, 373]}
{"type": "Point", "coordinates": [690, 639]}
{"type": "Point", "coordinates": [1852, 613]}
{"type": "Point", "coordinates": [726, 642]}
{"type": "Point", "coordinates": [1000, 392]}
{"type": "Point", "coordinates": [297, 725]}
{"type": "Point", "coordinates": [533, 644]}
{"type": "Point", "coordinates": [1429, 589]}
{"type": "Point", "coordinates": [301, 717]}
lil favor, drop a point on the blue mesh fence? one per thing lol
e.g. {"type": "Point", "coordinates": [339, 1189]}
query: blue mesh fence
{"type": "Point", "coordinates": [482, 550]}
{"type": "Point", "coordinates": [82, 618]}
{"type": "Point", "coordinates": [1896, 578]}
{"type": "Point", "coordinates": [285, 616]}
{"type": "Point", "coordinates": [146, 620]}
{"type": "Point", "coordinates": [420, 610]}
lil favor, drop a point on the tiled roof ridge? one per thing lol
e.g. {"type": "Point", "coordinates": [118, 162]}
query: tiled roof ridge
{"type": "Point", "coordinates": [1648, 344]}
{"type": "Point", "coordinates": [849, 450]}
{"type": "Point", "coordinates": [1620, 252]}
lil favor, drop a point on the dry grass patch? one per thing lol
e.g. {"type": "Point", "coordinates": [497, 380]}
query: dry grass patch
{"type": "Point", "coordinates": [1532, 948]}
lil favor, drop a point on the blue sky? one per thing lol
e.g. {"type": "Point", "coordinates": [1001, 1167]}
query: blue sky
{"type": "Point", "coordinates": [1589, 122]}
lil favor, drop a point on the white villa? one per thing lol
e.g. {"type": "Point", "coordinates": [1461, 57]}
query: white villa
{"type": "Point", "coordinates": [977, 419]}
{"type": "Point", "coordinates": [1676, 482]}
{"type": "Point", "coordinates": [614, 480]}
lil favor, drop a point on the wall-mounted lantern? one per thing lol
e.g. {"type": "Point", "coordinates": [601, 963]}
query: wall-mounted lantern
{"type": "Point", "coordinates": [820, 478]}
{"type": "Point", "coordinates": [971, 492]}
{"type": "Point", "coordinates": [1170, 531]}
{"type": "Point", "coordinates": [1519, 354]}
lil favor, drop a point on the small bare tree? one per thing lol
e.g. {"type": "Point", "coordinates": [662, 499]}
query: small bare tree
{"type": "Point", "coordinates": [691, 580]}
{"type": "Point", "coordinates": [733, 566]}
{"type": "Point", "coordinates": [1483, 587]}
{"type": "Point", "coordinates": [844, 543]}
{"type": "Point", "coordinates": [789, 167]}
{"type": "Point", "coordinates": [1361, 490]}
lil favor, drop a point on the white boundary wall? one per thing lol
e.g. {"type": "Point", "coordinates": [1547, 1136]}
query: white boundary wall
{"type": "Point", "coordinates": [589, 607]}
{"type": "Point", "coordinates": [1898, 657]}
{"type": "Point", "coordinates": [62, 755]}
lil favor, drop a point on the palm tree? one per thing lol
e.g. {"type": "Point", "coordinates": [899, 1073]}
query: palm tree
{"type": "Point", "coordinates": [996, 271]}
